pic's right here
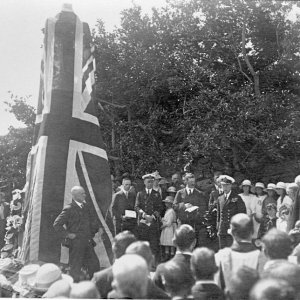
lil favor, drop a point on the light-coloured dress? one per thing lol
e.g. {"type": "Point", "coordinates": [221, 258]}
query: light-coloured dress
{"type": "Point", "coordinates": [167, 233]}
{"type": "Point", "coordinates": [253, 205]}
{"type": "Point", "coordinates": [287, 224]}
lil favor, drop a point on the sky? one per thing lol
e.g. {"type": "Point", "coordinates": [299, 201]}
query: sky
{"type": "Point", "coordinates": [21, 38]}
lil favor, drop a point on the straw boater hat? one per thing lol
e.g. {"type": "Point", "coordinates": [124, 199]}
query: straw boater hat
{"type": "Point", "coordinates": [169, 199]}
{"type": "Point", "coordinates": [225, 179]}
{"type": "Point", "coordinates": [280, 185]}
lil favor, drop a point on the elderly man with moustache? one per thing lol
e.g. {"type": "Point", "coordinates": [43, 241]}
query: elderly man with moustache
{"type": "Point", "coordinates": [77, 226]}
{"type": "Point", "coordinates": [149, 206]}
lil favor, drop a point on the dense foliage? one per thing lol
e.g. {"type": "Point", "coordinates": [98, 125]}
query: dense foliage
{"type": "Point", "coordinates": [202, 84]}
{"type": "Point", "coordinates": [209, 84]}
{"type": "Point", "coordinates": [15, 146]}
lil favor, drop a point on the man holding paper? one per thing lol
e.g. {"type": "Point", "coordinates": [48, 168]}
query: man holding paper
{"type": "Point", "coordinates": [123, 208]}
{"type": "Point", "coordinates": [149, 206]}
{"type": "Point", "coordinates": [191, 206]}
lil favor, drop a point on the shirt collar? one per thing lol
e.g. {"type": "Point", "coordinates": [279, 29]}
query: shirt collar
{"type": "Point", "coordinates": [78, 203]}
{"type": "Point", "coordinates": [189, 189]}
{"type": "Point", "coordinates": [184, 252]}
{"type": "Point", "coordinates": [227, 195]}
{"type": "Point", "coordinates": [148, 190]}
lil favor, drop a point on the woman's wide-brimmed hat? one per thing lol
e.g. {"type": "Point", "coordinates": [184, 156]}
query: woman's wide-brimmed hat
{"type": "Point", "coordinates": [280, 185]}
{"type": "Point", "coordinates": [271, 186]}
{"type": "Point", "coordinates": [169, 199]}
{"type": "Point", "coordinates": [171, 189]}
{"type": "Point", "coordinates": [46, 275]}
{"type": "Point", "coordinates": [259, 185]}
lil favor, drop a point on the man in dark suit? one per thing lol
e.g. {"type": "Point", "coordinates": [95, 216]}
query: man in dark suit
{"type": "Point", "coordinates": [149, 206]}
{"type": "Point", "coordinates": [229, 204]}
{"type": "Point", "coordinates": [185, 241]}
{"type": "Point", "coordinates": [203, 266]}
{"type": "Point", "coordinates": [142, 248]}
{"type": "Point", "coordinates": [185, 200]}
{"type": "Point", "coordinates": [122, 203]}
{"type": "Point", "coordinates": [77, 226]}
{"type": "Point", "coordinates": [104, 278]}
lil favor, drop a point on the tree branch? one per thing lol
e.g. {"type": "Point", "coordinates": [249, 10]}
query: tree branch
{"type": "Point", "coordinates": [250, 67]}
{"type": "Point", "coordinates": [112, 104]}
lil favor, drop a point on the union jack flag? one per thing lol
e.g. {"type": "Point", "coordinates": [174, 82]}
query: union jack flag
{"type": "Point", "coordinates": [68, 149]}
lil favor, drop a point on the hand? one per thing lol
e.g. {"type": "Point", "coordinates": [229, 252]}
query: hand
{"type": "Point", "coordinates": [187, 205]}
{"type": "Point", "coordinates": [71, 236]}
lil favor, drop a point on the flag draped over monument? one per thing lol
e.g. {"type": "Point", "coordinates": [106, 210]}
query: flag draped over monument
{"type": "Point", "coordinates": [68, 148]}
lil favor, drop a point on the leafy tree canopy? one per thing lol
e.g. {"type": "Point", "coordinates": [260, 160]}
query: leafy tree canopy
{"type": "Point", "coordinates": [205, 83]}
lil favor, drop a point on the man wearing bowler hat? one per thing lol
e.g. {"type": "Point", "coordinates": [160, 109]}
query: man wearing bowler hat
{"type": "Point", "coordinates": [228, 205]}
{"type": "Point", "coordinates": [149, 206]}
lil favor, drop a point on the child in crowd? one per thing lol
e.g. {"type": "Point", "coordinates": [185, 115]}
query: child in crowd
{"type": "Point", "coordinates": [282, 221]}
{"type": "Point", "coordinates": [168, 229]}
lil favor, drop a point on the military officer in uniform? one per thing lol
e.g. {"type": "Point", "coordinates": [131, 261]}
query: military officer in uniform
{"type": "Point", "coordinates": [149, 206]}
{"type": "Point", "coordinates": [185, 204]}
{"type": "Point", "coordinates": [228, 205]}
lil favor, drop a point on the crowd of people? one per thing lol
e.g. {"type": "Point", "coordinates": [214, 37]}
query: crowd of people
{"type": "Point", "coordinates": [176, 241]}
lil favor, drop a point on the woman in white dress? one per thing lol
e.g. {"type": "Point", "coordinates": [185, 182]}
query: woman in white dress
{"type": "Point", "coordinates": [168, 228]}
{"type": "Point", "coordinates": [250, 201]}
{"type": "Point", "coordinates": [286, 205]}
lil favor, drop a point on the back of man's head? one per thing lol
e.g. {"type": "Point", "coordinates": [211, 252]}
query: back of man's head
{"type": "Point", "coordinates": [130, 273]}
{"type": "Point", "coordinates": [241, 283]}
{"type": "Point", "coordinates": [184, 237]}
{"type": "Point", "coordinates": [143, 249]}
{"type": "Point", "coordinates": [241, 227]}
{"type": "Point", "coordinates": [277, 244]}
{"type": "Point", "coordinates": [177, 279]}
{"type": "Point", "coordinates": [284, 270]}
{"type": "Point", "coordinates": [84, 290]}
{"type": "Point", "coordinates": [203, 264]}
{"type": "Point", "coordinates": [272, 289]}
{"type": "Point", "coordinates": [121, 241]}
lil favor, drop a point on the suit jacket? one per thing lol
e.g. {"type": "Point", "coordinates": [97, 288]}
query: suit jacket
{"type": "Point", "coordinates": [149, 204]}
{"type": "Point", "coordinates": [227, 208]}
{"type": "Point", "coordinates": [207, 291]}
{"type": "Point", "coordinates": [182, 260]}
{"type": "Point", "coordinates": [197, 198]}
{"type": "Point", "coordinates": [119, 204]}
{"type": "Point", "coordinates": [80, 221]}
{"type": "Point", "coordinates": [103, 280]}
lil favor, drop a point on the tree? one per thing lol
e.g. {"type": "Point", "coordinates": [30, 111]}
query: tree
{"type": "Point", "coordinates": [15, 146]}
{"type": "Point", "coordinates": [209, 83]}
